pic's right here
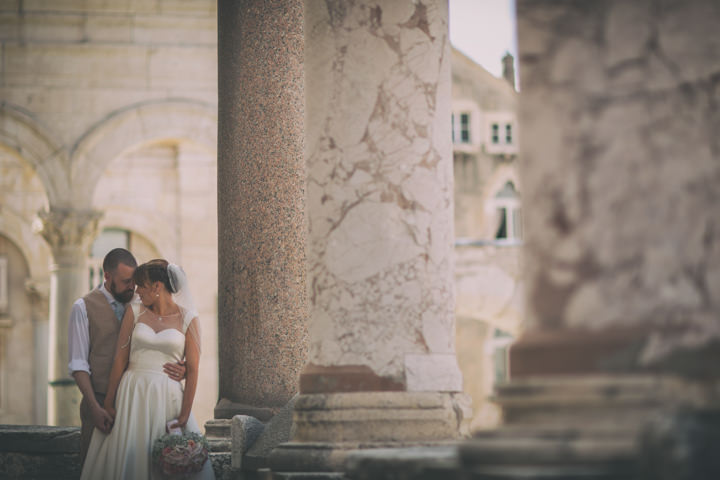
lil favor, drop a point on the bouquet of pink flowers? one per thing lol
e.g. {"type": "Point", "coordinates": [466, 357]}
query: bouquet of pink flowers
{"type": "Point", "coordinates": [182, 454]}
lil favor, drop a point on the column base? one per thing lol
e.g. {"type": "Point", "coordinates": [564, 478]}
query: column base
{"type": "Point", "coordinates": [227, 409]}
{"type": "Point", "coordinates": [328, 427]}
{"type": "Point", "coordinates": [578, 427]}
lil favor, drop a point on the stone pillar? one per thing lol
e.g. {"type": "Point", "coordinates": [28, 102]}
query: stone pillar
{"type": "Point", "coordinates": [620, 190]}
{"type": "Point", "coordinates": [69, 233]}
{"type": "Point", "coordinates": [382, 365]}
{"type": "Point", "coordinates": [262, 306]}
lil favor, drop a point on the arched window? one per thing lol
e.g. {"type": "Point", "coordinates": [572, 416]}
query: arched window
{"type": "Point", "coordinates": [108, 239]}
{"type": "Point", "coordinates": [113, 237]}
{"type": "Point", "coordinates": [507, 202]}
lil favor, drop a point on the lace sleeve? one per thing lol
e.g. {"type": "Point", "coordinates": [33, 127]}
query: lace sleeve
{"type": "Point", "coordinates": [192, 328]}
{"type": "Point", "coordinates": [136, 306]}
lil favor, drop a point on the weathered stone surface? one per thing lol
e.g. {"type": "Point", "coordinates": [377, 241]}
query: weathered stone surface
{"type": "Point", "coordinates": [22, 466]}
{"type": "Point", "coordinates": [279, 430]}
{"type": "Point", "coordinates": [375, 417]}
{"type": "Point", "coordinates": [39, 439]}
{"type": "Point", "coordinates": [418, 463]}
{"type": "Point", "coordinates": [39, 452]}
{"type": "Point", "coordinates": [379, 187]}
{"type": "Point", "coordinates": [681, 447]}
{"type": "Point", "coordinates": [245, 431]}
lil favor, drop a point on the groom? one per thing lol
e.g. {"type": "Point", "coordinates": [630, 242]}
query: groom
{"type": "Point", "coordinates": [92, 335]}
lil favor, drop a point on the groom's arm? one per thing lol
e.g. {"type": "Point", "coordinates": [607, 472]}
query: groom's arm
{"type": "Point", "coordinates": [176, 371]}
{"type": "Point", "coordinates": [101, 418]}
{"type": "Point", "coordinates": [78, 346]}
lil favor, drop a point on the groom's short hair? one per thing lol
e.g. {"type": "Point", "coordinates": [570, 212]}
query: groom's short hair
{"type": "Point", "coordinates": [117, 256]}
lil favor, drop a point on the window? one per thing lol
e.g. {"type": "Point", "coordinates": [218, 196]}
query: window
{"type": "Point", "coordinates": [507, 201]}
{"type": "Point", "coordinates": [108, 239]}
{"type": "Point", "coordinates": [465, 128]}
{"type": "Point", "coordinates": [495, 133]}
{"type": "Point", "coordinates": [461, 128]}
{"type": "Point", "coordinates": [4, 279]}
{"type": "Point", "coordinates": [508, 134]}
{"type": "Point", "coordinates": [500, 351]}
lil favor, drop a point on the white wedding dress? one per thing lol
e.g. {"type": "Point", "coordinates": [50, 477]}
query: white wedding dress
{"type": "Point", "coordinates": [146, 400]}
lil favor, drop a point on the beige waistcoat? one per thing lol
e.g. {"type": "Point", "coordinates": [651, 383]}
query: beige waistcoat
{"type": "Point", "coordinates": [104, 329]}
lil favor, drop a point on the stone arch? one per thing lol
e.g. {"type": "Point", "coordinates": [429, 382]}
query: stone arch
{"type": "Point", "coordinates": [134, 126]}
{"type": "Point", "coordinates": [27, 139]}
{"type": "Point", "coordinates": [35, 250]}
{"type": "Point", "coordinates": [151, 227]}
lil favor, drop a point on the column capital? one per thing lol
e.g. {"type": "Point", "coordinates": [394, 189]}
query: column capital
{"type": "Point", "coordinates": [67, 230]}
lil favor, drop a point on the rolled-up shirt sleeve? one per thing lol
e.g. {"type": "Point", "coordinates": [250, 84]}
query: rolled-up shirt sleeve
{"type": "Point", "coordinates": [78, 338]}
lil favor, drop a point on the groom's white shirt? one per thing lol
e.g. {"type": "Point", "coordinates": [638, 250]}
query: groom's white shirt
{"type": "Point", "coordinates": [79, 334]}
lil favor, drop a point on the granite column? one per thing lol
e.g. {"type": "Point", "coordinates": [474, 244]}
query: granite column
{"type": "Point", "coordinates": [382, 366]}
{"type": "Point", "coordinates": [621, 190]}
{"type": "Point", "coordinates": [69, 233]}
{"type": "Point", "coordinates": [262, 307]}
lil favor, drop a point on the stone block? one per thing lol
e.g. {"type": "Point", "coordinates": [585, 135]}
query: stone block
{"type": "Point", "coordinates": [414, 463]}
{"type": "Point", "coordinates": [681, 447]}
{"type": "Point", "coordinates": [278, 430]}
{"type": "Point", "coordinates": [166, 30]}
{"type": "Point", "coordinates": [9, 26]}
{"type": "Point", "coordinates": [195, 8]}
{"type": "Point", "coordinates": [245, 430]}
{"type": "Point", "coordinates": [109, 28]}
{"type": "Point", "coordinates": [75, 66]}
{"type": "Point", "coordinates": [433, 373]}
{"type": "Point", "coordinates": [116, 6]}
{"type": "Point", "coordinates": [9, 5]}
{"type": "Point", "coordinates": [39, 452]}
{"type": "Point", "coordinates": [52, 28]}
{"type": "Point", "coordinates": [375, 417]}
{"type": "Point", "coordinates": [190, 67]}
{"type": "Point", "coordinates": [35, 439]}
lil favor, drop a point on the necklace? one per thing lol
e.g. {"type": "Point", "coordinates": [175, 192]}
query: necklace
{"type": "Point", "coordinates": [160, 318]}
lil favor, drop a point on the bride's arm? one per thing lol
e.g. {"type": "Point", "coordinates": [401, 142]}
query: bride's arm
{"type": "Point", "coordinates": [192, 364]}
{"type": "Point", "coordinates": [122, 356]}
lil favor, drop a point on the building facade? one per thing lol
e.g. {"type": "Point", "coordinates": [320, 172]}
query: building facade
{"type": "Point", "coordinates": [488, 228]}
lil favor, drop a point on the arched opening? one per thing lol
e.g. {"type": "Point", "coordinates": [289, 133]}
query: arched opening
{"type": "Point", "coordinates": [23, 376]}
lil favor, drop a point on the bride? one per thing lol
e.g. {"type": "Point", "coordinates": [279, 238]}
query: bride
{"type": "Point", "coordinates": [153, 332]}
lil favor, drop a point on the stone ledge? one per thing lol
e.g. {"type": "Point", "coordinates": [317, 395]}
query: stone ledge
{"type": "Point", "coordinates": [38, 439]}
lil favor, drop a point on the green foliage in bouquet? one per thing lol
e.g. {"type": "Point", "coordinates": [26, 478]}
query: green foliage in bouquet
{"type": "Point", "coordinates": [180, 454]}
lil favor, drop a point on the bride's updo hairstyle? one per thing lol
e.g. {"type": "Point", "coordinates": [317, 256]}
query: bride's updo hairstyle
{"type": "Point", "coordinates": [153, 271]}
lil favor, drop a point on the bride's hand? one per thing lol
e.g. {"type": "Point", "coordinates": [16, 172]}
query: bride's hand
{"type": "Point", "coordinates": [182, 421]}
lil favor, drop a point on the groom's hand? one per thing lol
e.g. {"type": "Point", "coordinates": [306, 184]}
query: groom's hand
{"type": "Point", "coordinates": [176, 371]}
{"type": "Point", "coordinates": [102, 419]}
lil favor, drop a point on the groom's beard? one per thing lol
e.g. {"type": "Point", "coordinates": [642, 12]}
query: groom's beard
{"type": "Point", "coordinates": [122, 297]}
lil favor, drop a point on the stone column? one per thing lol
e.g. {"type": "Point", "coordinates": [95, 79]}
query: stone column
{"type": "Point", "coordinates": [69, 233]}
{"type": "Point", "coordinates": [621, 178]}
{"type": "Point", "coordinates": [382, 365]}
{"type": "Point", "coordinates": [262, 306]}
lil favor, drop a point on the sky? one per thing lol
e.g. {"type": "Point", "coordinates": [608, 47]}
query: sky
{"type": "Point", "coordinates": [484, 30]}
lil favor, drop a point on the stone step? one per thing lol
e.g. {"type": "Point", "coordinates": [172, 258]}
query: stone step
{"type": "Point", "coordinates": [308, 476]}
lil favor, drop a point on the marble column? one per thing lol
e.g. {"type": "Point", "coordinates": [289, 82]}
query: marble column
{"type": "Point", "coordinates": [262, 306]}
{"type": "Point", "coordinates": [621, 185]}
{"type": "Point", "coordinates": [382, 365]}
{"type": "Point", "coordinates": [69, 233]}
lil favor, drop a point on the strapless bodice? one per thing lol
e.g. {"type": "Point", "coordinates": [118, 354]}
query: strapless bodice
{"type": "Point", "coordinates": [150, 350]}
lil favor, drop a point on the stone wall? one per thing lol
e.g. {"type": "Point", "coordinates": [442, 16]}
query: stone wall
{"type": "Point", "coordinates": [111, 106]}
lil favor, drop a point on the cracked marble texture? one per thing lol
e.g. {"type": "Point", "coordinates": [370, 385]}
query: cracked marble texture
{"type": "Point", "coordinates": [621, 163]}
{"type": "Point", "coordinates": [379, 194]}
